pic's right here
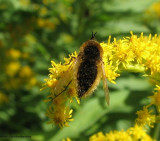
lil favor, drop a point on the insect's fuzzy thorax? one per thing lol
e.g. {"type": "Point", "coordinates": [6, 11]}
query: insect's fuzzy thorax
{"type": "Point", "coordinates": [90, 43]}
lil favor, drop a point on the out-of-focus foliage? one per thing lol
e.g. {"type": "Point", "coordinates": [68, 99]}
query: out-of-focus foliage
{"type": "Point", "coordinates": [34, 32]}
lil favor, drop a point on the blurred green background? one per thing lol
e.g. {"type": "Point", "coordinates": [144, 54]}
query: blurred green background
{"type": "Point", "coordinates": [32, 33]}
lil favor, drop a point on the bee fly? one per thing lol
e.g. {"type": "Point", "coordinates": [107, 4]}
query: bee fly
{"type": "Point", "coordinates": [86, 70]}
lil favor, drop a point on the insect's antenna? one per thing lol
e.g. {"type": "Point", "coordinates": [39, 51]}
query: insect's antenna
{"type": "Point", "coordinates": [93, 35]}
{"type": "Point", "coordinates": [62, 90]}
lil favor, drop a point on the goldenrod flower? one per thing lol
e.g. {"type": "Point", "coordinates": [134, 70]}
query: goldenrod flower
{"type": "Point", "coordinates": [25, 72]}
{"type": "Point", "coordinates": [145, 117]}
{"type": "Point", "coordinates": [43, 11]}
{"type": "Point", "coordinates": [135, 133]}
{"type": "Point", "coordinates": [60, 115]}
{"type": "Point", "coordinates": [51, 83]}
{"type": "Point", "coordinates": [118, 135]}
{"type": "Point", "coordinates": [156, 98]}
{"type": "Point", "coordinates": [14, 53]}
{"type": "Point", "coordinates": [47, 23]}
{"type": "Point", "coordinates": [32, 81]}
{"type": "Point", "coordinates": [31, 40]}
{"type": "Point", "coordinates": [12, 68]}
{"type": "Point", "coordinates": [138, 54]}
{"type": "Point", "coordinates": [98, 137]}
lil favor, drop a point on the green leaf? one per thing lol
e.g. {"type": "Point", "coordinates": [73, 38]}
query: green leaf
{"type": "Point", "coordinates": [127, 5]}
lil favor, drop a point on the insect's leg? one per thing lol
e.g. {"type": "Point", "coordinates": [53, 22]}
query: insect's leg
{"type": "Point", "coordinates": [70, 60]}
{"type": "Point", "coordinates": [62, 90]}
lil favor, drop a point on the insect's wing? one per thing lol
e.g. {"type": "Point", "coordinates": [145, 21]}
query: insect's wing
{"type": "Point", "coordinates": [105, 86]}
{"type": "Point", "coordinates": [66, 78]}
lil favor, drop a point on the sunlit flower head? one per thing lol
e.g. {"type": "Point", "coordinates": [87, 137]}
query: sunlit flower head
{"type": "Point", "coordinates": [118, 135]}
{"type": "Point", "coordinates": [14, 53]}
{"type": "Point", "coordinates": [132, 134]}
{"type": "Point", "coordinates": [145, 117]}
{"type": "Point", "coordinates": [12, 68]}
{"type": "Point", "coordinates": [156, 98]}
{"type": "Point", "coordinates": [139, 133]}
{"type": "Point", "coordinates": [59, 115]}
{"type": "Point", "coordinates": [98, 137]}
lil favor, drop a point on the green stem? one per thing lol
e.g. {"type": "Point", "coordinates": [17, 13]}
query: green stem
{"type": "Point", "coordinates": [156, 133]}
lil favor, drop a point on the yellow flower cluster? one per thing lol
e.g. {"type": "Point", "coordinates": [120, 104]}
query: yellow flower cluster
{"type": "Point", "coordinates": [142, 52]}
{"type": "Point", "coordinates": [156, 98]}
{"type": "Point", "coordinates": [138, 54]}
{"type": "Point", "coordinates": [46, 23]}
{"type": "Point", "coordinates": [17, 72]}
{"type": "Point", "coordinates": [135, 133]}
{"type": "Point", "coordinates": [61, 92]}
{"type": "Point", "coordinates": [17, 75]}
{"type": "Point", "coordinates": [145, 117]}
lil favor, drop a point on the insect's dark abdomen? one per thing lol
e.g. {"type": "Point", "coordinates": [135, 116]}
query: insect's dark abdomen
{"type": "Point", "coordinates": [87, 71]}
{"type": "Point", "coordinates": [86, 75]}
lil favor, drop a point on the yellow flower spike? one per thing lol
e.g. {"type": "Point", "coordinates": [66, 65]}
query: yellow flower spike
{"type": "Point", "coordinates": [156, 98]}
{"type": "Point", "coordinates": [98, 137]}
{"type": "Point", "coordinates": [59, 115]}
{"type": "Point", "coordinates": [111, 73]}
{"type": "Point", "coordinates": [138, 133]}
{"type": "Point", "coordinates": [32, 81]}
{"type": "Point", "coordinates": [145, 117]}
{"type": "Point", "coordinates": [110, 136]}
{"type": "Point", "coordinates": [122, 136]}
{"type": "Point", "coordinates": [12, 68]}
{"type": "Point", "coordinates": [132, 134]}
{"type": "Point", "coordinates": [13, 53]}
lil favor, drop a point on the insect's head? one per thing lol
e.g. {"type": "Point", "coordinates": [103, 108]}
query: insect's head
{"type": "Point", "coordinates": [93, 35]}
